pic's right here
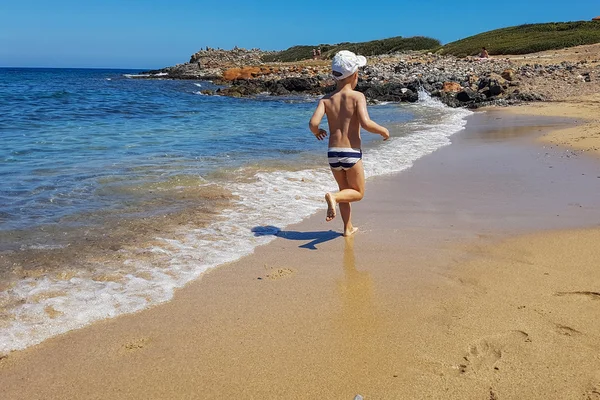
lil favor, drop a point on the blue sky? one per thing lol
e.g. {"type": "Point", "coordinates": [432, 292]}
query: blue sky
{"type": "Point", "coordinates": [155, 34]}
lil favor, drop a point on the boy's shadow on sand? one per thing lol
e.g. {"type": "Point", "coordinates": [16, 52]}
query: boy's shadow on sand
{"type": "Point", "coordinates": [314, 238]}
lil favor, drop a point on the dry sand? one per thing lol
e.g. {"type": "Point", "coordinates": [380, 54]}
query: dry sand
{"type": "Point", "coordinates": [475, 276]}
{"type": "Point", "coordinates": [589, 53]}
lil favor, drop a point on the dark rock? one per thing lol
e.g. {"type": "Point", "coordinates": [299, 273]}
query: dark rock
{"type": "Point", "coordinates": [279, 90]}
{"type": "Point", "coordinates": [449, 98]}
{"type": "Point", "coordinates": [299, 84]}
{"type": "Point", "coordinates": [495, 90]}
{"type": "Point", "coordinates": [525, 96]}
{"type": "Point", "coordinates": [468, 95]}
{"type": "Point", "coordinates": [388, 92]}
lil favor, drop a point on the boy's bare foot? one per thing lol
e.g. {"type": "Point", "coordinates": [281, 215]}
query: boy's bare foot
{"type": "Point", "coordinates": [330, 207]}
{"type": "Point", "coordinates": [350, 231]}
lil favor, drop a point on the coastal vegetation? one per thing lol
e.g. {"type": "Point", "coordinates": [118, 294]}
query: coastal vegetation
{"type": "Point", "coordinates": [526, 39]}
{"type": "Point", "coordinates": [522, 39]}
{"type": "Point", "coordinates": [372, 48]}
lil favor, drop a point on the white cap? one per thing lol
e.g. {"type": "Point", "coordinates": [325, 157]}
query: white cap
{"type": "Point", "coordinates": [346, 63]}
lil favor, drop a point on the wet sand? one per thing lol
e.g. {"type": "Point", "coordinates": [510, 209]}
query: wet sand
{"type": "Point", "coordinates": [585, 109]}
{"type": "Point", "coordinates": [474, 276]}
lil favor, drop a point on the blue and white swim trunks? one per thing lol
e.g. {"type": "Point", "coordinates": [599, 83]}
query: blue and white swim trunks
{"type": "Point", "coordinates": [343, 158]}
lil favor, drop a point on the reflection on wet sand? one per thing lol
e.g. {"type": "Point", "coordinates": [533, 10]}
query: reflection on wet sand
{"type": "Point", "coordinates": [358, 316]}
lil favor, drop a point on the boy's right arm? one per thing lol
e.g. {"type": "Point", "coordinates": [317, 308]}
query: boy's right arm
{"type": "Point", "coordinates": [365, 120]}
{"type": "Point", "coordinates": [315, 121]}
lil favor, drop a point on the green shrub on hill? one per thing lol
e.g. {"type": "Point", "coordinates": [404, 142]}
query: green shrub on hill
{"type": "Point", "coordinates": [374, 47]}
{"type": "Point", "coordinates": [525, 39]}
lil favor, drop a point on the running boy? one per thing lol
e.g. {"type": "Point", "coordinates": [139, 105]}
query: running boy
{"type": "Point", "coordinates": [346, 111]}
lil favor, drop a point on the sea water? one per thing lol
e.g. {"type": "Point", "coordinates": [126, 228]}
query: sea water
{"type": "Point", "coordinates": [115, 191]}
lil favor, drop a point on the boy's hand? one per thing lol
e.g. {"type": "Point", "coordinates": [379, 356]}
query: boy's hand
{"type": "Point", "coordinates": [385, 134]}
{"type": "Point", "coordinates": [322, 134]}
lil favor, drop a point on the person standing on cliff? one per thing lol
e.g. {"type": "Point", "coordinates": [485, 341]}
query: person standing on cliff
{"type": "Point", "coordinates": [346, 111]}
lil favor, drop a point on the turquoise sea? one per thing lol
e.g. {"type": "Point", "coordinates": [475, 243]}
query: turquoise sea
{"type": "Point", "coordinates": [116, 190]}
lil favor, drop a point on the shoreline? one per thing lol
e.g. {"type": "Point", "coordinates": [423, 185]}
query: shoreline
{"type": "Point", "coordinates": [387, 319]}
{"type": "Point", "coordinates": [585, 137]}
{"type": "Point", "coordinates": [126, 265]}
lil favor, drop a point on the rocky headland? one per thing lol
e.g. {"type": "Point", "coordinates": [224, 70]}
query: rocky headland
{"type": "Point", "coordinates": [458, 82]}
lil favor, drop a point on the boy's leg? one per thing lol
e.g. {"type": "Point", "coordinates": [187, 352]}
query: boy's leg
{"type": "Point", "coordinates": [352, 187]}
{"type": "Point", "coordinates": [346, 213]}
{"type": "Point", "coordinates": [353, 180]}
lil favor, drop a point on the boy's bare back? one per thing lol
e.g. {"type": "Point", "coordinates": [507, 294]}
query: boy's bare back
{"type": "Point", "coordinates": [342, 109]}
{"type": "Point", "coordinates": [346, 111]}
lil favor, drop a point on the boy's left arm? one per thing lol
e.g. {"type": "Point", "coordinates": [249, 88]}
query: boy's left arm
{"type": "Point", "coordinates": [315, 120]}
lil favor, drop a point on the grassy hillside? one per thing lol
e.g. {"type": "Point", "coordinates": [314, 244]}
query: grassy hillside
{"type": "Point", "coordinates": [525, 39]}
{"type": "Point", "coordinates": [371, 48]}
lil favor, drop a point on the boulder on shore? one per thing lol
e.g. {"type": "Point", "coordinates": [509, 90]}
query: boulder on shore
{"type": "Point", "coordinates": [451, 87]}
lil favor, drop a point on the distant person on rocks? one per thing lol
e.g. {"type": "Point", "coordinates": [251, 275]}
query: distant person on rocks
{"type": "Point", "coordinates": [314, 54]}
{"type": "Point", "coordinates": [484, 53]}
{"type": "Point", "coordinates": [319, 53]}
{"type": "Point", "coordinates": [346, 111]}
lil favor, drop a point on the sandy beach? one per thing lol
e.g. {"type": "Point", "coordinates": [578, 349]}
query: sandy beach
{"type": "Point", "coordinates": [474, 276]}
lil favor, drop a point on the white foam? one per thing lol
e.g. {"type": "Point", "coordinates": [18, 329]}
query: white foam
{"type": "Point", "coordinates": [46, 246]}
{"type": "Point", "coordinates": [145, 75]}
{"type": "Point", "coordinates": [49, 306]}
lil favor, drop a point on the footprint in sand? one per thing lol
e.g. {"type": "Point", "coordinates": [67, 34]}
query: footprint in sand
{"type": "Point", "coordinates": [566, 330]}
{"type": "Point", "coordinates": [483, 355]}
{"type": "Point", "coordinates": [493, 394]}
{"type": "Point", "coordinates": [590, 295]}
{"type": "Point", "coordinates": [280, 273]}
{"type": "Point", "coordinates": [274, 273]}
{"type": "Point", "coordinates": [593, 392]}
{"type": "Point", "coordinates": [136, 344]}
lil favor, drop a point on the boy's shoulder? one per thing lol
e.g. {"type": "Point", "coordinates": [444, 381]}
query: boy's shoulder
{"type": "Point", "coordinates": [355, 95]}
{"type": "Point", "coordinates": [358, 94]}
{"type": "Point", "coordinates": [345, 95]}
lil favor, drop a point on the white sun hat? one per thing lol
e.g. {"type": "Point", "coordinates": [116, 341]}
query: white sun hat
{"type": "Point", "coordinates": [345, 63]}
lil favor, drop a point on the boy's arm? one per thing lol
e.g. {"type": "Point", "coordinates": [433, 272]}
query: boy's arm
{"type": "Point", "coordinates": [315, 120]}
{"type": "Point", "coordinates": [365, 120]}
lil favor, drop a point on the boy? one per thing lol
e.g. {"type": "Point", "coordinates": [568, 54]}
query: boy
{"type": "Point", "coordinates": [346, 111]}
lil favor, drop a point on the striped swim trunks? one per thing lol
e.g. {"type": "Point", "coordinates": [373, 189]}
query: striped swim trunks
{"type": "Point", "coordinates": [343, 158]}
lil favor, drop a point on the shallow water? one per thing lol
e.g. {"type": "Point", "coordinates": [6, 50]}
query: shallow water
{"type": "Point", "coordinates": [116, 191]}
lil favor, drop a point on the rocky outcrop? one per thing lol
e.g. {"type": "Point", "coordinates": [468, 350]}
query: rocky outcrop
{"type": "Point", "coordinates": [217, 58]}
{"type": "Point", "coordinates": [397, 77]}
